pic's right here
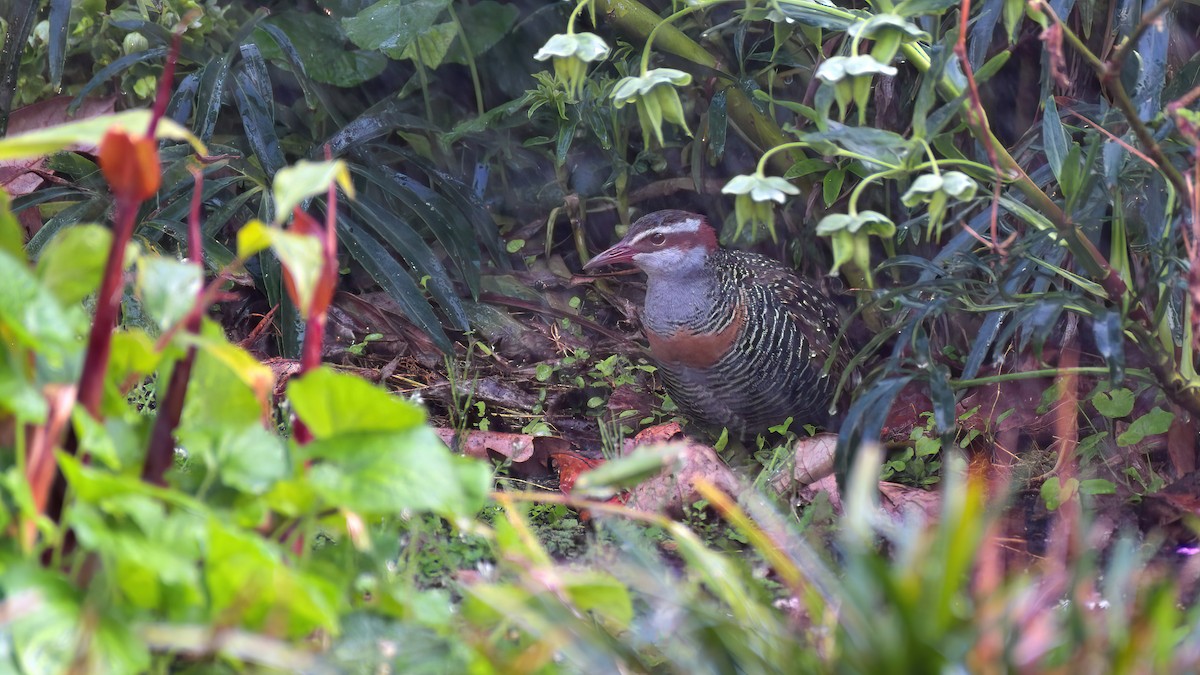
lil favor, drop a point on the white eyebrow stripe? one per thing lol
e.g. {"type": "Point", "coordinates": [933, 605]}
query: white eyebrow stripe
{"type": "Point", "coordinates": [676, 227]}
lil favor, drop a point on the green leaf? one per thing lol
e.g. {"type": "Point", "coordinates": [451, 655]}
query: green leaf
{"type": "Point", "coordinates": [919, 7]}
{"type": "Point", "coordinates": [392, 25]}
{"type": "Point", "coordinates": [12, 240]}
{"type": "Point", "coordinates": [865, 142]}
{"type": "Point", "coordinates": [831, 185]}
{"type": "Point", "coordinates": [168, 288]}
{"type": "Point", "coordinates": [154, 552]}
{"type": "Point", "coordinates": [64, 633]}
{"type": "Point", "coordinates": [1097, 486]}
{"type": "Point", "coordinates": [395, 280]}
{"type": "Point", "coordinates": [485, 23]}
{"type": "Point", "coordinates": [20, 396]}
{"type": "Point", "coordinates": [88, 132]}
{"type": "Point", "coordinates": [1115, 403]}
{"type": "Point", "coordinates": [1055, 493]}
{"type": "Point", "coordinates": [318, 43]}
{"type": "Point", "coordinates": [115, 441]}
{"type": "Point", "coordinates": [228, 385]}
{"type": "Point", "coordinates": [304, 179]}
{"type": "Point", "coordinates": [301, 254]}
{"type": "Point", "coordinates": [1054, 137]}
{"type": "Point", "coordinates": [615, 475]}
{"type": "Point", "coordinates": [247, 458]}
{"type": "Point", "coordinates": [333, 403]}
{"type": "Point", "coordinates": [72, 263]}
{"type": "Point", "coordinates": [247, 582]}
{"type": "Point", "coordinates": [1157, 421]}
{"type": "Point", "coordinates": [387, 473]}
{"type": "Point", "coordinates": [29, 310]}
{"type": "Point", "coordinates": [805, 167]}
{"type": "Point", "coordinates": [594, 591]}
{"type": "Point", "coordinates": [431, 46]}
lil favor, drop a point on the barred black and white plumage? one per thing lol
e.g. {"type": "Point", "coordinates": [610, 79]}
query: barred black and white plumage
{"type": "Point", "coordinates": [741, 342]}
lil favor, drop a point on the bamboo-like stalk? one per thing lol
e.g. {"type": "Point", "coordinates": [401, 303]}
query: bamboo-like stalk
{"type": "Point", "coordinates": [636, 21]}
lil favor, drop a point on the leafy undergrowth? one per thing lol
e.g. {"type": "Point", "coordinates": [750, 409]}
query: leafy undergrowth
{"type": "Point", "coordinates": [186, 488]}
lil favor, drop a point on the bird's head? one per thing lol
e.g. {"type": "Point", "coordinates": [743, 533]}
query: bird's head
{"type": "Point", "coordinates": [663, 242]}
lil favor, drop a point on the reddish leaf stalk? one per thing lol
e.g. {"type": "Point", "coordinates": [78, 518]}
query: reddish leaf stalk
{"type": "Point", "coordinates": [314, 328]}
{"type": "Point", "coordinates": [108, 301]}
{"type": "Point", "coordinates": [981, 121]}
{"type": "Point", "coordinates": [130, 165]}
{"type": "Point", "coordinates": [161, 452]}
{"type": "Point", "coordinates": [108, 304]}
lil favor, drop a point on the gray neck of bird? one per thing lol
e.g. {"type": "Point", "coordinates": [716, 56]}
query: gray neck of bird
{"type": "Point", "coordinates": [680, 297]}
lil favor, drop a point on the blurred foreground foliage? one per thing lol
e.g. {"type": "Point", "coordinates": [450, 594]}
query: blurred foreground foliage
{"type": "Point", "coordinates": [995, 200]}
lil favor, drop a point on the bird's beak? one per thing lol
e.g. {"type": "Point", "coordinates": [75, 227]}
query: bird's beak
{"type": "Point", "coordinates": [619, 253]}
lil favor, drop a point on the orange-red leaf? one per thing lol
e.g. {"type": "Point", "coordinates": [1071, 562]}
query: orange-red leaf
{"type": "Point", "coordinates": [130, 164]}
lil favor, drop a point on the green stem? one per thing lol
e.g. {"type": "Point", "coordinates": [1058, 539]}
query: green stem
{"type": "Point", "coordinates": [1121, 99]}
{"type": "Point", "coordinates": [762, 160]}
{"type": "Point", "coordinates": [462, 38]}
{"type": "Point", "coordinates": [574, 15]}
{"type": "Point", "coordinates": [667, 22]}
{"type": "Point", "coordinates": [1044, 372]}
{"type": "Point", "coordinates": [634, 20]}
{"type": "Point", "coordinates": [852, 205]}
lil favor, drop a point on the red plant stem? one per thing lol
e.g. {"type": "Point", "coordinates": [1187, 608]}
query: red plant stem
{"type": "Point", "coordinates": [108, 304]}
{"type": "Point", "coordinates": [314, 328]}
{"type": "Point", "coordinates": [108, 301]}
{"type": "Point", "coordinates": [160, 454]}
{"type": "Point", "coordinates": [981, 120]}
{"type": "Point", "coordinates": [165, 83]}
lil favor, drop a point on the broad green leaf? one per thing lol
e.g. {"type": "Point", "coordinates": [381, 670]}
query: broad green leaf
{"type": "Point", "coordinates": [388, 473]}
{"type": "Point", "coordinates": [831, 185]}
{"type": "Point", "coordinates": [30, 312]}
{"type": "Point", "coordinates": [306, 179]}
{"type": "Point", "coordinates": [247, 582]}
{"type": "Point", "coordinates": [72, 263]}
{"type": "Point", "coordinates": [485, 23]}
{"type": "Point", "coordinates": [919, 7]}
{"type": "Point", "coordinates": [168, 288]}
{"type": "Point", "coordinates": [886, 148]}
{"type": "Point", "coordinates": [247, 457]}
{"type": "Point", "coordinates": [228, 385]}
{"type": "Point", "coordinates": [12, 240]}
{"type": "Point", "coordinates": [1055, 492]}
{"type": "Point", "coordinates": [154, 551]}
{"type": "Point", "coordinates": [114, 441]}
{"type": "Point", "coordinates": [1115, 403]}
{"type": "Point", "coordinates": [805, 167]}
{"type": "Point", "coordinates": [392, 25]}
{"type": "Point", "coordinates": [333, 403]}
{"type": "Point", "coordinates": [133, 353]}
{"type": "Point", "coordinates": [1097, 486]}
{"type": "Point", "coordinates": [253, 237]}
{"type": "Point", "coordinates": [66, 634]}
{"type": "Point", "coordinates": [1157, 421]}
{"type": "Point", "coordinates": [89, 132]}
{"type": "Point", "coordinates": [595, 591]}
{"type": "Point", "coordinates": [431, 46]}
{"type": "Point", "coordinates": [20, 396]}
{"type": "Point", "coordinates": [318, 41]}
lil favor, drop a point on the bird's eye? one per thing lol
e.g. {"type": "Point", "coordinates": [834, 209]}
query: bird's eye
{"type": "Point", "coordinates": [658, 239]}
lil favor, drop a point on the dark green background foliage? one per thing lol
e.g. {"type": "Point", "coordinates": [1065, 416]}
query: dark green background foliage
{"type": "Point", "coordinates": [848, 140]}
